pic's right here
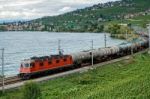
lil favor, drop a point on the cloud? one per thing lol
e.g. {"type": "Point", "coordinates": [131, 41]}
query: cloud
{"type": "Point", "coordinates": [66, 9]}
{"type": "Point", "coordinates": [88, 2]}
{"type": "Point", "coordinates": [19, 2]}
{"type": "Point", "coordinates": [29, 9]}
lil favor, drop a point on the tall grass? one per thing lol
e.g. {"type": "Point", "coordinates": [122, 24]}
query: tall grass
{"type": "Point", "coordinates": [31, 90]}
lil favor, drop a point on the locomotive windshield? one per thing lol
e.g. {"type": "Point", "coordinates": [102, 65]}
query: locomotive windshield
{"type": "Point", "coordinates": [26, 65]}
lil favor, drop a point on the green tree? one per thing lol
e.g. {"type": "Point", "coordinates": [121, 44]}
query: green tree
{"type": "Point", "coordinates": [100, 27]}
{"type": "Point", "coordinates": [2, 28]}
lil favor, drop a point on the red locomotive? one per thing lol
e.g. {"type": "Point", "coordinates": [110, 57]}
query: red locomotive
{"type": "Point", "coordinates": [41, 65]}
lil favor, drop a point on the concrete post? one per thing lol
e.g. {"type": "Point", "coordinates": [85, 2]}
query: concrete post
{"type": "Point", "coordinates": [105, 40]}
{"type": "Point", "coordinates": [3, 76]}
{"type": "Point", "coordinates": [149, 37]}
{"type": "Point", "coordinates": [59, 47]}
{"type": "Point", "coordinates": [92, 52]}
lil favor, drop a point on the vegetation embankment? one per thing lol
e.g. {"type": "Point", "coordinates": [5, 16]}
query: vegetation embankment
{"type": "Point", "coordinates": [140, 20]}
{"type": "Point", "coordinates": [121, 31]}
{"type": "Point", "coordinates": [129, 79]}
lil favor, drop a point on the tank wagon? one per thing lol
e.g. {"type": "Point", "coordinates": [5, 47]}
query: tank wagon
{"type": "Point", "coordinates": [42, 65]}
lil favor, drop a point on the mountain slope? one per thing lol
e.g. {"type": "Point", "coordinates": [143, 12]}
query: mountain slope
{"type": "Point", "coordinates": [90, 19]}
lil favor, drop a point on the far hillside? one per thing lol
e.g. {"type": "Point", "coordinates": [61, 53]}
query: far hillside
{"type": "Point", "coordinates": [90, 19]}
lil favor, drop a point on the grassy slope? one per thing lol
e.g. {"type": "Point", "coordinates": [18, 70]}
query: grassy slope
{"type": "Point", "coordinates": [123, 80]}
{"type": "Point", "coordinates": [139, 5]}
{"type": "Point", "coordinates": [87, 20]}
{"type": "Point", "coordinates": [139, 20]}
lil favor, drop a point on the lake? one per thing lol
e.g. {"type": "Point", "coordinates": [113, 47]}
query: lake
{"type": "Point", "coordinates": [23, 45]}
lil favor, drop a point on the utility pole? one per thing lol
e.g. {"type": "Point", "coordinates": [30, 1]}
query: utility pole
{"type": "Point", "coordinates": [3, 77]}
{"type": "Point", "coordinates": [149, 37]}
{"type": "Point", "coordinates": [105, 40]}
{"type": "Point", "coordinates": [59, 47]}
{"type": "Point", "coordinates": [132, 49]}
{"type": "Point", "coordinates": [126, 35]}
{"type": "Point", "coordinates": [92, 52]}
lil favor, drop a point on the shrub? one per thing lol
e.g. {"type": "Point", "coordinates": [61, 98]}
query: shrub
{"type": "Point", "coordinates": [31, 90]}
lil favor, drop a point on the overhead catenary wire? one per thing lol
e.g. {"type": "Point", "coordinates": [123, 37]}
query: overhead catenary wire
{"type": "Point", "coordinates": [55, 49]}
{"type": "Point", "coordinates": [84, 42]}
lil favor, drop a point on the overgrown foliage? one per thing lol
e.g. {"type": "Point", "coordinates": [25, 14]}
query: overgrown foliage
{"type": "Point", "coordinates": [31, 90]}
{"type": "Point", "coordinates": [120, 31]}
{"type": "Point", "coordinates": [2, 28]}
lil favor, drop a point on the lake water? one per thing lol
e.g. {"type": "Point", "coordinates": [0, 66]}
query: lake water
{"type": "Point", "coordinates": [23, 45]}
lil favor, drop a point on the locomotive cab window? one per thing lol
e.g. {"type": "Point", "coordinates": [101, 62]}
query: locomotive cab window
{"type": "Point", "coordinates": [65, 60]}
{"type": "Point", "coordinates": [49, 62]}
{"type": "Point", "coordinates": [32, 65]}
{"type": "Point", "coordinates": [21, 65]}
{"type": "Point", "coordinates": [57, 61]}
{"type": "Point", "coordinates": [26, 65]}
{"type": "Point", "coordinates": [41, 64]}
{"type": "Point", "coordinates": [90, 53]}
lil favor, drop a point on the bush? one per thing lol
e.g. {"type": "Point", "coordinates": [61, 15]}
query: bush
{"type": "Point", "coordinates": [31, 90]}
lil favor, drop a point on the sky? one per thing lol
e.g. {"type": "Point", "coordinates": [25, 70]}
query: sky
{"type": "Point", "coordinates": [31, 9]}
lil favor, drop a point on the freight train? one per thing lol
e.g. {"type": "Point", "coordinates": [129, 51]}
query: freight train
{"type": "Point", "coordinates": [43, 65]}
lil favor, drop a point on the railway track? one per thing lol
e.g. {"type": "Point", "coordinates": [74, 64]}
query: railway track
{"type": "Point", "coordinates": [10, 80]}
{"type": "Point", "coordinates": [15, 79]}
